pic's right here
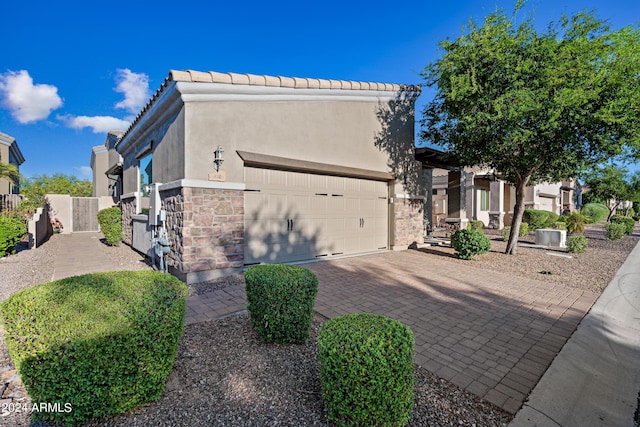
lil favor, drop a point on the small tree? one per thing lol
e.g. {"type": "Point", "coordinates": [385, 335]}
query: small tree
{"type": "Point", "coordinates": [535, 107]}
{"type": "Point", "coordinates": [612, 185]}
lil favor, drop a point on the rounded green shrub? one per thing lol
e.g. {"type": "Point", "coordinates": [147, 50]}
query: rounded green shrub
{"type": "Point", "coordinates": [537, 218]}
{"type": "Point", "coordinates": [628, 223]}
{"type": "Point", "coordinates": [506, 231]}
{"type": "Point", "coordinates": [560, 225]}
{"type": "Point", "coordinates": [468, 243]}
{"type": "Point", "coordinates": [110, 220]}
{"type": "Point", "coordinates": [104, 343]}
{"type": "Point", "coordinates": [577, 244]}
{"type": "Point", "coordinates": [366, 370]}
{"type": "Point", "coordinates": [280, 301]}
{"type": "Point", "coordinates": [595, 211]}
{"type": "Point", "coordinates": [615, 230]}
{"type": "Point", "coordinates": [12, 228]}
{"type": "Point", "coordinates": [475, 225]}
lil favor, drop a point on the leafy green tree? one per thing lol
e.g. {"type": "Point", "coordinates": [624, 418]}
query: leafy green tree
{"type": "Point", "coordinates": [35, 188]}
{"type": "Point", "coordinates": [612, 185]}
{"type": "Point", "coordinates": [535, 107]}
{"type": "Point", "coordinates": [9, 172]}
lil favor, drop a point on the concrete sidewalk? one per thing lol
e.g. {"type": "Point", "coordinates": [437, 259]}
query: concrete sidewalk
{"type": "Point", "coordinates": [595, 379]}
{"type": "Point", "coordinates": [81, 253]}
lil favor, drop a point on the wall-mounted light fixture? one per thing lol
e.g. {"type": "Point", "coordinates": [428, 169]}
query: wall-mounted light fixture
{"type": "Point", "coordinates": [217, 160]}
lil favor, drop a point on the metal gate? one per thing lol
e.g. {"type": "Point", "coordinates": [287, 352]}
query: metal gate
{"type": "Point", "coordinates": [85, 214]}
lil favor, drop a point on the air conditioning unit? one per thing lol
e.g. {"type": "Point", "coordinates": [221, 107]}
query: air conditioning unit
{"type": "Point", "coordinates": [551, 237]}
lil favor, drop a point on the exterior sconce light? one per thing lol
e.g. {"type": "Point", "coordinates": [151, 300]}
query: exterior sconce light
{"type": "Point", "coordinates": [217, 159]}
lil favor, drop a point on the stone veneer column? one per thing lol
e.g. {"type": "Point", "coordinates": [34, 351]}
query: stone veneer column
{"type": "Point", "coordinates": [408, 222]}
{"type": "Point", "coordinates": [206, 231]}
{"type": "Point", "coordinates": [496, 204]}
{"type": "Point", "coordinates": [128, 207]}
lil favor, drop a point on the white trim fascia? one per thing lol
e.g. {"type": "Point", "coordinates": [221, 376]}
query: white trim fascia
{"type": "Point", "coordinates": [166, 104]}
{"type": "Point", "coordinates": [198, 183]}
{"type": "Point", "coordinates": [129, 195]}
{"type": "Point", "coordinates": [99, 149]}
{"type": "Point", "coordinates": [205, 92]}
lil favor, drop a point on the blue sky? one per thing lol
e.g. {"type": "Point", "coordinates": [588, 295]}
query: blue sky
{"type": "Point", "coordinates": [71, 70]}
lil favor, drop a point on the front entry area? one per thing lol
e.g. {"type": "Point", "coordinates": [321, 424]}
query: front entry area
{"type": "Point", "coordinates": [295, 216]}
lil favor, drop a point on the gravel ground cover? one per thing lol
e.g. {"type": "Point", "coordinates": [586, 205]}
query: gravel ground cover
{"type": "Point", "coordinates": [224, 376]}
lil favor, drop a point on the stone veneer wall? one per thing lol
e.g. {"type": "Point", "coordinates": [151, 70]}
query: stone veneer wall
{"type": "Point", "coordinates": [408, 222]}
{"type": "Point", "coordinates": [128, 207]}
{"type": "Point", "coordinates": [206, 230]}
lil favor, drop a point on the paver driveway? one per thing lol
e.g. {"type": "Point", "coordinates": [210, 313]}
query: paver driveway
{"type": "Point", "coordinates": [490, 333]}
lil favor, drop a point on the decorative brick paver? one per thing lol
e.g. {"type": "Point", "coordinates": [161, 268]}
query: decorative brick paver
{"type": "Point", "coordinates": [488, 332]}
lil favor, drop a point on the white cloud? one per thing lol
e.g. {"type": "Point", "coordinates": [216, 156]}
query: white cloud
{"type": "Point", "coordinates": [27, 102]}
{"type": "Point", "coordinates": [98, 124]}
{"type": "Point", "coordinates": [135, 87]}
{"type": "Point", "coordinates": [85, 171]}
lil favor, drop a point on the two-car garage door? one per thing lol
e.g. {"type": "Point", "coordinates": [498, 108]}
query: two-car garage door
{"type": "Point", "coordinates": [294, 216]}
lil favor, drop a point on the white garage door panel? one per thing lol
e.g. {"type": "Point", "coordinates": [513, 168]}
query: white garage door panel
{"type": "Point", "coordinates": [292, 216]}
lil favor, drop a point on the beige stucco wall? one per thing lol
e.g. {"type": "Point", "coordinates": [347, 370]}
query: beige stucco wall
{"type": "Point", "coordinates": [5, 187]}
{"type": "Point", "coordinates": [335, 133]}
{"type": "Point", "coordinates": [60, 208]}
{"type": "Point", "coordinates": [166, 140]}
{"type": "Point", "coordinates": [99, 164]}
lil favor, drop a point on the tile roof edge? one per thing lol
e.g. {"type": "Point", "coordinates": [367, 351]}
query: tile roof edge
{"type": "Point", "coordinates": [282, 81]}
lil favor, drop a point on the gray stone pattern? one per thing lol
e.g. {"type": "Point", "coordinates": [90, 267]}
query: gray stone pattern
{"type": "Point", "coordinates": [205, 227]}
{"type": "Point", "coordinates": [409, 224]}
{"type": "Point", "coordinates": [128, 207]}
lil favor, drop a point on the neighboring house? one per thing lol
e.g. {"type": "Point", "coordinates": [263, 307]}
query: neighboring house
{"type": "Point", "coordinates": [10, 153]}
{"type": "Point", "coordinates": [106, 164]}
{"type": "Point", "coordinates": [491, 200]}
{"type": "Point", "coordinates": [307, 169]}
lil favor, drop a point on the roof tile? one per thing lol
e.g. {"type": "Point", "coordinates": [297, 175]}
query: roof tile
{"type": "Point", "coordinates": [257, 80]}
{"type": "Point", "coordinates": [287, 82]}
{"type": "Point", "coordinates": [199, 76]}
{"type": "Point", "coordinates": [220, 77]}
{"type": "Point", "coordinates": [239, 79]}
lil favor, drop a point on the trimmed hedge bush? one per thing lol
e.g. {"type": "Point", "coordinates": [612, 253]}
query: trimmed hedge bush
{"type": "Point", "coordinates": [12, 228]}
{"type": "Point", "coordinates": [615, 230]}
{"type": "Point", "coordinates": [506, 231]}
{"type": "Point", "coordinates": [280, 301]}
{"type": "Point", "coordinates": [595, 211]}
{"type": "Point", "coordinates": [475, 225]}
{"type": "Point", "coordinates": [468, 243]}
{"type": "Point", "coordinates": [110, 220]}
{"type": "Point", "coordinates": [104, 342]}
{"type": "Point", "coordinates": [539, 219]}
{"type": "Point", "coordinates": [628, 223]}
{"type": "Point", "coordinates": [366, 370]}
{"type": "Point", "coordinates": [577, 244]}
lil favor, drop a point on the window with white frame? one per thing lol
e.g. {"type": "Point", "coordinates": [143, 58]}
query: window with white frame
{"type": "Point", "coordinates": [484, 200]}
